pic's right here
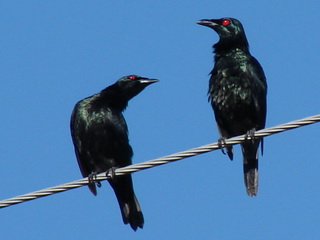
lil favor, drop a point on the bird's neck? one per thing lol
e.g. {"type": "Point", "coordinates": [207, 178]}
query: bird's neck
{"type": "Point", "coordinates": [112, 96]}
{"type": "Point", "coordinates": [227, 45]}
{"type": "Point", "coordinates": [235, 53]}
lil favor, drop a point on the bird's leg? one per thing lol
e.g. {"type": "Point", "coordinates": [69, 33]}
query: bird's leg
{"type": "Point", "coordinates": [111, 173]}
{"type": "Point", "coordinates": [221, 144]}
{"type": "Point", "coordinates": [93, 179]}
{"type": "Point", "coordinates": [250, 134]}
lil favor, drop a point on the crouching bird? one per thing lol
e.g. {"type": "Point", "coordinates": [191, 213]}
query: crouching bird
{"type": "Point", "coordinates": [100, 137]}
{"type": "Point", "coordinates": [237, 92]}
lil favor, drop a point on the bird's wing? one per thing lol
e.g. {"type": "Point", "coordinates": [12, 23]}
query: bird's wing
{"type": "Point", "coordinates": [259, 83]}
{"type": "Point", "coordinates": [101, 142]}
{"type": "Point", "coordinates": [77, 126]}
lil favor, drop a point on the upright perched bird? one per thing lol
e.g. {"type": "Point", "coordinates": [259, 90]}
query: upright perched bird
{"type": "Point", "coordinates": [237, 92]}
{"type": "Point", "coordinates": [100, 137]}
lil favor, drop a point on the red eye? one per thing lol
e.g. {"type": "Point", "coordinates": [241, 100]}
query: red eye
{"type": "Point", "coordinates": [225, 22]}
{"type": "Point", "coordinates": [132, 77]}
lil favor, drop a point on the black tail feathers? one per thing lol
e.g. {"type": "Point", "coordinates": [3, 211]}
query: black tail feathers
{"type": "Point", "coordinates": [250, 167]}
{"type": "Point", "coordinates": [132, 214]}
{"type": "Point", "coordinates": [128, 203]}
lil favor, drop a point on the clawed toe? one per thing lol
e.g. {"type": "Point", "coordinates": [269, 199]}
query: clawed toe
{"type": "Point", "coordinates": [250, 135]}
{"type": "Point", "coordinates": [221, 144]}
{"type": "Point", "coordinates": [93, 179]}
{"type": "Point", "coordinates": [111, 173]}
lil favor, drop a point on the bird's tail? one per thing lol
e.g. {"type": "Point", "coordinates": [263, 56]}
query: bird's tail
{"type": "Point", "coordinates": [128, 203]}
{"type": "Point", "coordinates": [131, 213]}
{"type": "Point", "coordinates": [250, 166]}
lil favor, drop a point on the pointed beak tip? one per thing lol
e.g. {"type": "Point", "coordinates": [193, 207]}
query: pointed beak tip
{"type": "Point", "coordinates": [206, 22]}
{"type": "Point", "coordinates": [154, 80]}
{"type": "Point", "coordinates": [149, 81]}
{"type": "Point", "coordinates": [200, 22]}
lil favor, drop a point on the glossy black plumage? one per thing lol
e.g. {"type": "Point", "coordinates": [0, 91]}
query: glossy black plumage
{"type": "Point", "coordinates": [237, 92]}
{"type": "Point", "coordinates": [100, 137]}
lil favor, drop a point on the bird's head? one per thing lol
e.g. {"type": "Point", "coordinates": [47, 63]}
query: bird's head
{"type": "Point", "coordinates": [132, 85]}
{"type": "Point", "coordinates": [230, 30]}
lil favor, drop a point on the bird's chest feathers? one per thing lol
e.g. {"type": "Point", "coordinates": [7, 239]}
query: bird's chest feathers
{"type": "Point", "coordinates": [231, 82]}
{"type": "Point", "coordinates": [107, 121]}
{"type": "Point", "coordinates": [231, 67]}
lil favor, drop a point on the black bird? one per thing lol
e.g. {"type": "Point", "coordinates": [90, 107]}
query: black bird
{"type": "Point", "coordinates": [237, 92]}
{"type": "Point", "coordinates": [100, 137]}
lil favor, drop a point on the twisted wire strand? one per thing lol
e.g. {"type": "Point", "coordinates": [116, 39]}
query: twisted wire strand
{"type": "Point", "coordinates": [158, 161]}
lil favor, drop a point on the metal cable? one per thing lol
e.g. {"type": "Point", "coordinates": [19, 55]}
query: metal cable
{"type": "Point", "coordinates": [158, 161]}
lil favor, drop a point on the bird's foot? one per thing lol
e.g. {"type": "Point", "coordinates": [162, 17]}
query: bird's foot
{"type": "Point", "coordinates": [93, 179]}
{"type": "Point", "coordinates": [111, 173]}
{"type": "Point", "coordinates": [221, 145]}
{"type": "Point", "coordinates": [250, 135]}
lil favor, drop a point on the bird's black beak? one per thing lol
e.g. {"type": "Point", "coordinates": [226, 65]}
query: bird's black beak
{"type": "Point", "coordinates": [207, 22]}
{"type": "Point", "coordinates": [148, 81]}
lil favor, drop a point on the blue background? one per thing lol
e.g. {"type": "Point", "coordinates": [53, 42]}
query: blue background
{"type": "Point", "coordinates": [54, 53]}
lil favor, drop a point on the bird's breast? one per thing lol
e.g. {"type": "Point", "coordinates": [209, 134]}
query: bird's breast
{"type": "Point", "coordinates": [230, 87]}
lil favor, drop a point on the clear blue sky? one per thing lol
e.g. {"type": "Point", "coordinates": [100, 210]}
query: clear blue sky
{"type": "Point", "coordinates": [54, 53]}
